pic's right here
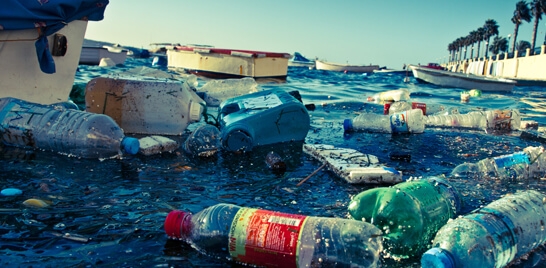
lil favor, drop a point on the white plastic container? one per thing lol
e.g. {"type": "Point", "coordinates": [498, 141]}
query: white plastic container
{"type": "Point", "coordinates": [145, 105]}
{"type": "Point", "coordinates": [262, 118]}
{"type": "Point", "coordinates": [400, 94]}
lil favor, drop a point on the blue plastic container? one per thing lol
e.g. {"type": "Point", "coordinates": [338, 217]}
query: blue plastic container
{"type": "Point", "coordinates": [262, 118]}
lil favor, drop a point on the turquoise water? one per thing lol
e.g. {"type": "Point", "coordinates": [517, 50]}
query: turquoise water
{"type": "Point", "coordinates": [114, 209]}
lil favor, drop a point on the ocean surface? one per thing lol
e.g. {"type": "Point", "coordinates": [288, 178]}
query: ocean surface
{"type": "Point", "coordinates": [111, 212]}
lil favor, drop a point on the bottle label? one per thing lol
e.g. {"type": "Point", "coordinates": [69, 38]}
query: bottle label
{"type": "Point", "coordinates": [265, 238]}
{"type": "Point", "coordinates": [502, 120]}
{"type": "Point", "coordinates": [506, 161]}
{"type": "Point", "coordinates": [399, 122]}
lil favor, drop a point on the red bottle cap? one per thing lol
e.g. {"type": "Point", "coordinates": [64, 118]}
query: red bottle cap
{"type": "Point", "coordinates": [177, 224]}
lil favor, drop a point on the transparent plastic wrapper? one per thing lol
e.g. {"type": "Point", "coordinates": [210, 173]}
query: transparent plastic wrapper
{"type": "Point", "coordinates": [274, 239]}
{"type": "Point", "coordinates": [492, 236]}
{"type": "Point", "coordinates": [65, 131]}
{"type": "Point", "coordinates": [409, 213]}
{"type": "Point", "coordinates": [204, 141]}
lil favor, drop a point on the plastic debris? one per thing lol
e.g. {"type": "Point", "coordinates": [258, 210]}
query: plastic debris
{"type": "Point", "coordinates": [157, 144]}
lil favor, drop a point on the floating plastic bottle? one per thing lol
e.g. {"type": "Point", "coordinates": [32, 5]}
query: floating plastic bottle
{"type": "Point", "coordinates": [391, 95]}
{"type": "Point", "coordinates": [204, 141]}
{"type": "Point", "coordinates": [409, 213]}
{"type": "Point", "coordinates": [72, 132]}
{"type": "Point", "coordinates": [530, 163]}
{"type": "Point", "coordinates": [491, 236]}
{"type": "Point", "coordinates": [274, 239]}
{"type": "Point", "coordinates": [411, 121]}
{"type": "Point", "coordinates": [428, 109]}
{"type": "Point", "coordinates": [491, 119]}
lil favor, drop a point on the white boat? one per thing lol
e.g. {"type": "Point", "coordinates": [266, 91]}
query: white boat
{"type": "Point", "coordinates": [328, 66]}
{"type": "Point", "coordinates": [392, 71]}
{"type": "Point", "coordinates": [461, 80]}
{"type": "Point", "coordinates": [92, 55]}
{"type": "Point", "coordinates": [299, 60]}
{"type": "Point", "coordinates": [33, 76]}
{"type": "Point", "coordinates": [228, 63]}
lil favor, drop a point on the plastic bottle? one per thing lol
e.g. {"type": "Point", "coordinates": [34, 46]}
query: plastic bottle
{"type": "Point", "coordinates": [428, 109]}
{"type": "Point", "coordinates": [409, 213]}
{"type": "Point", "coordinates": [529, 163]}
{"type": "Point", "coordinates": [400, 94]}
{"type": "Point", "coordinates": [491, 119]}
{"type": "Point", "coordinates": [411, 121]}
{"type": "Point", "coordinates": [66, 131]}
{"type": "Point", "coordinates": [491, 236]}
{"type": "Point", "coordinates": [274, 239]}
{"type": "Point", "coordinates": [204, 141]}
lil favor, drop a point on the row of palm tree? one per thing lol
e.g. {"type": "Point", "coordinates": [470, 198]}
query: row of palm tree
{"type": "Point", "coordinates": [524, 12]}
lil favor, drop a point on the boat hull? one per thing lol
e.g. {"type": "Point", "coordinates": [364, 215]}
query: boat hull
{"type": "Point", "coordinates": [461, 80]}
{"type": "Point", "coordinates": [21, 76]}
{"type": "Point", "coordinates": [93, 55]}
{"type": "Point", "coordinates": [327, 66]}
{"type": "Point", "coordinates": [229, 63]}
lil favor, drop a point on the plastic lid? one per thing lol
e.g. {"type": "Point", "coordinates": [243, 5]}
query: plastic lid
{"type": "Point", "coordinates": [237, 140]}
{"type": "Point", "coordinates": [438, 258]}
{"type": "Point", "coordinates": [196, 109]}
{"type": "Point", "coordinates": [130, 145]}
{"type": "Point", "coordinates": [348, 125]}
{"type": "Point", "coordinates": [174, 227]}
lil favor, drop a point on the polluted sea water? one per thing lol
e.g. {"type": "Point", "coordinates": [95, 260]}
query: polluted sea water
{"type": "Point", "coordinates": [113, 212]}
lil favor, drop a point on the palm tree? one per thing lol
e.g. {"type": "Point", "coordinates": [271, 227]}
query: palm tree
{"type": "Point", "coordinates": [522, 13]}
{"type": "Point", "coordinates": [472, 39]}
{"type": "Point", "coordinates": [491, 28]}
{"type": "Point", "coordinates": [538, 7]}
{"type": "Point", "coordinates": [522, 46]}
{"type": "Point", "coordinates": [480, 36]}
{"type": "Point", "coordinates": [499, 44]}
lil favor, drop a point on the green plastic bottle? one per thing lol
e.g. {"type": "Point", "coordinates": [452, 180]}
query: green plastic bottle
{"type": "Point", "coordinates": [409, 213]}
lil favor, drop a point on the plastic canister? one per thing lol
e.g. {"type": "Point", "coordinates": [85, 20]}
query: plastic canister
{"type": "Point", "coordinates": [261, 118]}
{"type": "Point", "coordinates": [145, 105]}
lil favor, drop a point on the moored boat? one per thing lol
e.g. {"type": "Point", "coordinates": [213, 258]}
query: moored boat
{"type": "Point", "coordinates": [461, 80]}
{"type": "Point", "coordinates": [299, 60]}
{"type": "Point", "coordinates": [40, 46]}
{"type": "Point", "coordinates": [92, 55]}
{"type": "Point", "coordinates": [228, 63]}
{"type": "Point", "coordinates": [329, 66]}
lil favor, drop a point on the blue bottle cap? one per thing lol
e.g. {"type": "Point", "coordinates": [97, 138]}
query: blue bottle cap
{"type": "Point", "coordinates": [437, 258]}
{"type": "Point", "coordinates": [348, 125]}
{"type": "Point", "coordinates": [130, 145]}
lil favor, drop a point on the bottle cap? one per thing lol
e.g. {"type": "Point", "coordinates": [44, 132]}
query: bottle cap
{"type": "Point", "coordinates": [238, 138]}
{"type": "Point", "coordinates": [130, 145]}
{"type": "Point", "coordinates": [177, 225]}
{"type": "Point", "coordinates": [437, 258]}
{"type": "Point", "coordinates": [348, 125]}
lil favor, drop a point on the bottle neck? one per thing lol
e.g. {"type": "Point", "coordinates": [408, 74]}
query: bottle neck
{"type": "Point", "coordinates": [448, 191]}
{"type": "Point", "coordinates": [178, 224]}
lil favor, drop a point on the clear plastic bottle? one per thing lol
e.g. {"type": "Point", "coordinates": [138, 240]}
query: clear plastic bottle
{"type": "Point", "coordinates": [491, 236]}
{"type": "Point", "coordinates": [400, 94]}
{"type": "Point", "coordinates": [409, 213]}
{"type": "Point", "coordinates": [274, 239]}
{"type": "Point", "coordinates": [204, 141]}
{"type": "Point", "coordinates": [491, 119]}
{"type": "Point", "coordinates": [66, 131]}
{"type": "Point", "coordinates": [428, 109]}
{"type": "Point", "coordinates": [411, 121]}
{"type": "Point", "coordinates": [530, 163]}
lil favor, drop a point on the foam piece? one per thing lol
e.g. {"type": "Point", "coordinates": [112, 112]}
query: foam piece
{"type": "Point", "coordinates": [156, 144]}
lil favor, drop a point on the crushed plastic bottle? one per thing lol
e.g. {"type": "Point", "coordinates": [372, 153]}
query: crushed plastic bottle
{"type": "Point", "coordinates": [530, 163]}
{"type": "Point", "coordinates": [204, 141]}
{"type": "Point", "coordinates": [492, 119]}
{"type": "Point", "coordinates": [66, 131]}
{"type": "Point", "coordinates": [411, 121]}
{"type": "Point", "coordinates": [409, 213]}
{"type": "Point", "coordinates": [217, 91]}
{"type": "Point", "coordinates": [275, 239]}
{"type": "Point", "coordinates": [491, 236]}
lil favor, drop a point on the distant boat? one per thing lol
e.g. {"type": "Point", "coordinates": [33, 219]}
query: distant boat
{"type": "Point", "coordinates": [225, 63]}
{"type": "Point", "coordinates": [42, 69]}
{"type": "Point", "coordinates": [328, 66]}
{"type": "Point", "coordinates": [393, 71]}
{"type": "Point", "coordinates": [300, 61]}
{"type": "Point", "coordinates": [92, 55]}
{"type": "Point", "coordinates": [461, 80]}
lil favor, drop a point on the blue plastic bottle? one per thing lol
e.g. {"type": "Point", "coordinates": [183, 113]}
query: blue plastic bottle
{"type": "Point", "coordinates": [262, 118]}
{"type": "Point", "coordinates": [492, 236]}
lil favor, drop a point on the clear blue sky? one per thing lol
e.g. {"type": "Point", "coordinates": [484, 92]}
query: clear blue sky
{"type": "Point", "coordinates": [385, 32]}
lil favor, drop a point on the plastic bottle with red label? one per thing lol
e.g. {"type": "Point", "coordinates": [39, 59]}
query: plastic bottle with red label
{"type": "Point", "coordinates": [411, 121]}
{"type": "Point", "coordinates": [491, 119]}
{"type": "Point", "coordinates": [275, 239]}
